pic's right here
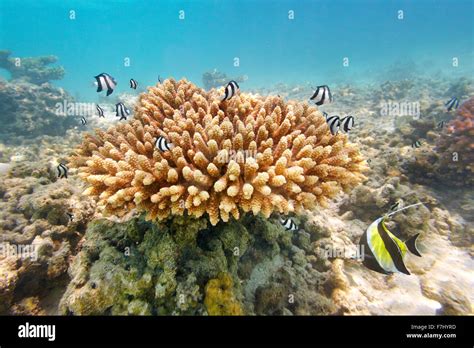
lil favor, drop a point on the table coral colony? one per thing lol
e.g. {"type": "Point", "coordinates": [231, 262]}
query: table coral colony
{"type": "Point", "coordinates": [297, 162]}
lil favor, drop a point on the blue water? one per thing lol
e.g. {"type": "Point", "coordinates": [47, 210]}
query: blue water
{"type": "Point", "coordinates": [271, 47]}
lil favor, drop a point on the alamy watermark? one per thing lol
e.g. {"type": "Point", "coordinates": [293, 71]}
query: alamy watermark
{"type": "Point", "coordinates": [238, 156]}
{"type": "Point", "coordinates": [67, 108]}
{"type": "Point", "coordinates": [356, 253]}
{"type": "Point", "coordinates": [21, 251]}
{"type": "Point", "coordinates": [397, 109]}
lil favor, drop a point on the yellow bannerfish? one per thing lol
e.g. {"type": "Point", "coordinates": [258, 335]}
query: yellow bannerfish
{"type": "Point", "coordinates": [383, 251]}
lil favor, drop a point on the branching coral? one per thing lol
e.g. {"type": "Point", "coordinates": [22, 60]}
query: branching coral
{"type": "Point", "coordinates": [250, 153]}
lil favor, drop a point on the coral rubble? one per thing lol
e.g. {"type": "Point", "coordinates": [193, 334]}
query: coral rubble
{"type": "Point", "coordinates": [250, 153]}
{"type": "Point", "coordinates": [37, 236]}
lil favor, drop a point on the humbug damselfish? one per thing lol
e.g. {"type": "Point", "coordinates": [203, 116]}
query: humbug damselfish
{"type": "Point", "coordinates": [383, 251]}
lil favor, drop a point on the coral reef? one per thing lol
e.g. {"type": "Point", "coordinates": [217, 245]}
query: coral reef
{"type": "Point", "coordinates": [31, 69]}
{"type": "Point", "coordinates": [460, 140]}
{"type": "Point", "coordinates": [451, 157]}
{"type": "Point", "coordinates": [29, 110]}
{"type": "Point", "coordinates": [37, 236]}
{"type": "Point", "coordinates": [395, 90]}
{"type": "Point", "coordinates": [462, 89]}
{"type": "Point", "coordinates": [250, 153]}
{"type": "Point", "coordinates": [138, 267]}
{"type": "Point", "coordinates": [215, 79]}
{"type": "Point", "coordinates": [182, 264]}
{"type": "Point", "coordinates": [219, 298]}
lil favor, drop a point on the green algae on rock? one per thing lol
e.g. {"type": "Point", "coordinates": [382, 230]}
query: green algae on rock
{"type": "Point", "coordinates": [141, 268]}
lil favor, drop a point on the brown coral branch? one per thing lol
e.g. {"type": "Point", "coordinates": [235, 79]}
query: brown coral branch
{"type": "Point", "coordinates": [249, 153]}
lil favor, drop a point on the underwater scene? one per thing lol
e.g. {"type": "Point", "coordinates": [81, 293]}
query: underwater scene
{"type": "Point", "coordinates": [243, 157]}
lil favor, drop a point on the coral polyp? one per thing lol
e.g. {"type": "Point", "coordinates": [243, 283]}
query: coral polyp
{"type": "Point", "coordinates": [251, 154]}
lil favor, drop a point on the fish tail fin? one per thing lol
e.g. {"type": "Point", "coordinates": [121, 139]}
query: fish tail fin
{"type": "Point", "coordinates": [411, 245]}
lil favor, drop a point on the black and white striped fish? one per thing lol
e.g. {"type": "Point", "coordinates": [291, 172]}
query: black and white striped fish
{"type": "Point", "coordinates": [133, 84]}
{"type": "Point", "coordinates": [71, 217]}
{"type": "Point", "coordinates": [333, 123]}
{"type": "Point", "coordinates": [394, 206]}
{"type": "Point", "coordinates": [347, 123]}
{"type": "Point", "coordinates": [230, 90]}
{"type": "Point", "coordinates": [452, 103]}
{"type": "Point", "coordinates": [416, 144]}
{"type": "Point", "coordinates": [288, 224]}
{"type": "Point", "coordinates": [99, 110]}
{"type": "Point", "coordinates": [440, 124]}
{"type": "Point", "coordinates": [62, 171]}
{"type": "Point", "coordinates": [325, 114]}
{"type": "Point", "coordinates": [105, 81]}
{"type": "Point", "coordinates": [162, 144]}
{"type": "Point", "coordinates": [83, 120]}
{"type": "Point", "coordinates": [322, 95]}
{"type": "Point", "coordinates": [383, 251]}
{"type": "Point", "coordinates": [121, 111]}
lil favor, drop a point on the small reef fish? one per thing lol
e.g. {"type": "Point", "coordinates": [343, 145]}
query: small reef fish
{"type": "Point", "coordinates": [322, 95]}
{"type": "Point", "coordinates": [333, 123]}
{"type": "Point", "coordinates": [230, 90]}
{"type": "Point", "coordinates": [440, 124]}
{"type": "Point", "coordinates": [105, 81]}
{"type": "Point", "coordinates": [159, 78]}
{"type": "Point", "coordinates": [62, 171]}
{"type": "Point", "coordinates": [133, 84]}
{"type": "Point", "coordinates": [452, 103]}
{"type": "Point", "coordinates": [122, 111]}
{"type": "Point", "coordinates": [416, 144]}
{"type": "Point", "coordinates": [369, 160]}
{"type": "Point", "coordinates": [71, 217]}
{"type": "Point", "coordinates": [162, 144]}
{"type": "Point", "coordinates": [383, 251]}
{"type": "Point", "coordinates": [325, 114]}
{"type": "Point", "coordinates": [99, 110]}
{"type": "Point", "coordinates": [289, 224]}
{"type": "Point", "coordinates": [394, 206]}
{"type": "Point", "coordinates": [347, 123]}
{"type": "Point", "coordinates": [83, 120]}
